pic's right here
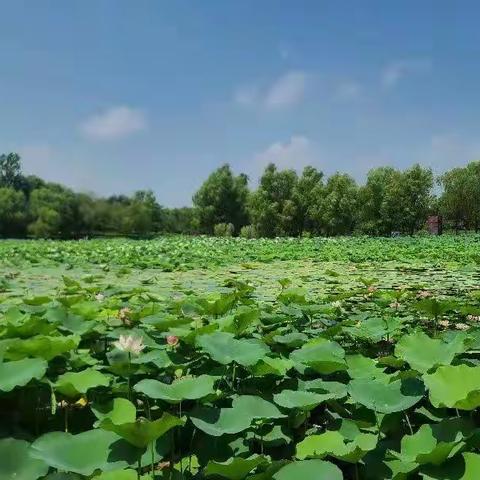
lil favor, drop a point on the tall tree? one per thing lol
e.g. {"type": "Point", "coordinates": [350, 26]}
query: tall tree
{"type": "Point", "coordinates": [339, 206]}
{"type": "Point", "coordinates": [273, 209]}
{"type": "Point", "coordinates": [372, 219]}
{"type": "Point", "coordinates": [53, 210]}
{"type": "Point", "coordinates": [10, 169]}
{"type": "Point", "coordinates": [222, 199]}
{"type": "Point", "coordinates": [12, 212]}
{"type": "Point", "coordinates": [460, 200]}
{"type": "Point", "coordinates": [143, 215]}
{"type": "Point", "coordinates": [308, 195]}
{"type": "Point", "coordinates": [408, 198]}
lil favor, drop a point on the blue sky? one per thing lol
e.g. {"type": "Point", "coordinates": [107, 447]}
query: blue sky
{"type": "Point", "coordinates": [112, 96]}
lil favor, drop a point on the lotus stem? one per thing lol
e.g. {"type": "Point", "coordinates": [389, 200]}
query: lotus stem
{"type": "Point", "coordinates": [408, 423]}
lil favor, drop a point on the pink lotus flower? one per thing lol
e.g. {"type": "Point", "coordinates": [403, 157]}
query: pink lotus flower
{"type": "Point", "coordinates": [424, 294]}
{"type": "Point", "coordinates": [124, 315]}
{"type": "Point", "coordinates": [130, 344]}
{"type": "Point", "coordinates": [371, 289]}
{"type": "Point", "coordinates": [172, 340]}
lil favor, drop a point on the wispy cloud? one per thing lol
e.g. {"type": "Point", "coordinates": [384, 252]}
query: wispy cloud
{"type": "Point", "coordinates": [297, 152]}
{"type": "Point", "coordinates": [114, 123]}
{"type": "Point", "coordinates": [286, 91]}
{"type": "Point", "coordinates": [247, 96]}
{"type": "Point", "coordinates": [348, 90]}
{"type": "Point", "coordinates": [397, 70]}
{"type": "Point", "coordinates": [448, 150]}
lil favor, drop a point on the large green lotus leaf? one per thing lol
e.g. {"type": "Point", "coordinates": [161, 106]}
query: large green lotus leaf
{"type": "Point", "coordinates": [292, 340]}
{"type": "Point", "coordinates": [41, 346]}
{"type": "Point", "coordinates": [324, 356]}
{"type": "Point", "coordinates": [454, 387]}
{"type": "Point", "coordinates": [375, 329]}
{"type": "Point", "coordinates": [244, 317]}
{"type": "Point", "coordinates": [118, 411]}
{"type": "Point", "coordinates": [224, 348]}
{"type": "Point", "coordinates": [235, 468]}
{"type": "Point", "coordinates": [78, 325]}
{"type": "Point", "coordinates": [217, 422]}
{"type": "Point", "coordinates": [27, 326]}
{"type": "Point", "coordinates": [16, 463]}
{"type": "Point", "coordinates": [318, 385]}
{"type": "Point", "coordinates": [301, 399]}
{"type": "Point", "coordinates": [434, 307]}
{"type": "Point", "coordinates": [185, 388]}
{"type": "Point", "coordinates": [83, 453]}
{"type": "Point", "coordinates": [36, 301]}
{"type": "Point", "coordinates": [423, 353]}
{"type": "Point", "coordinates": [359, 366]}
{"type": "Point", "coordinates": [251, 406]}
{"type": "Point", "coordinates": [328, 443]}
{"type": "Point", "coordinates": [159, 358]}
{"type": "Point", "coordinates": [309, 470]}
{"type": "Point", "coordinates": [20, 372]}
{"type": "Point", "coordinates": [128, 474]}
{"type": "Point", "coordinates": [164, 322]}
{"type": "Point", "coordinates": [337, 445]}
{"type": "Point", "coordinates": [272, 366]}
{"type": "Point", "coordinates": [274, 438]}
{"type": "Point", "coordinates": [386, 397]}
{"type": "Point", "coordinates": [143, 432]}
{"type": "Point", "coordinates": [434, 443]}
{"type": "Point", "coordinates": [245, 409]}
{"type": "Point", "coordinates": [465, 467]}
{"type": "Point", "coordinates": [472, 466]}
{"type": "Point", "coordinates": [268, 472]}
{"type": "Point", "coordinates": [73, 384]}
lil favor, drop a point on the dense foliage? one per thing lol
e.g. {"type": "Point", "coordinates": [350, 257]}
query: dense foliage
{"type": "Point", "coordinates": [284, 204]}
{"type": "Point", "coordinates": [342, 371]}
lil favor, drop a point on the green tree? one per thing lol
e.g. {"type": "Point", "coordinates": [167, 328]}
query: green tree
{"type": "Point", "coordinates": [337, 210]}
{"type": "Point", "coordinates": [10, 169]}
{"type": "Point", "coordinates": [408, 198]}
{"type": "Point", "coordinates": [143, 214]}
{"type": "Point", "coordinates": [372, 218]}
{"type": "Point", "coordinates": [53, 210]}
{"type": "Point", "coordinates": [222, 199]}
{"type": "Point", "coordinates": [179, 220]}
{"type": "Point", "coordinates": [12, 212]}
{"type": "Point", "coordinates": [460, 200]}
{"type": "Point", "coordinates": [308, 195]}
{"type": "Point", "coordinates": [273, 209]}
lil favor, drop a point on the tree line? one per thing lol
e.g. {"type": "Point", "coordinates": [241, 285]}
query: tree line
{"type": "Point", "coordinates": [283, 204]}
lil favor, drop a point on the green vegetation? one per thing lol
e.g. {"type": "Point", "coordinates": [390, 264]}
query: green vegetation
{"type": "Point", "coordinates": [230, 358]}
{"type": "Point", "coordinates": [284, 204]}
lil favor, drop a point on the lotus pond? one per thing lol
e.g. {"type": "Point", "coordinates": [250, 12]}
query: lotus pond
{"type": "Point", "coordinates": [203, 358]}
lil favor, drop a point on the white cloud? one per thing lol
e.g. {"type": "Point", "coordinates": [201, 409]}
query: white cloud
{"type": "Point", "coordinates": [449, 150]}
{"type": "Point", "coordinates": [395, 71]}
{"type": "Point", "coordinates": [247, 96]}
{"type": "Point", "coordinates": [348, 90]}
{"type": "Point", "coordinates": [114, 123]}
{"type": "Point", "coordinates": [297, 152]}
{"type": "Point", "coordinates": [286, 91]}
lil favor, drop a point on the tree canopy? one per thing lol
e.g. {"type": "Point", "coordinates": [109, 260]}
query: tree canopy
{"type": "Point", "coordinates": [284, 203]}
